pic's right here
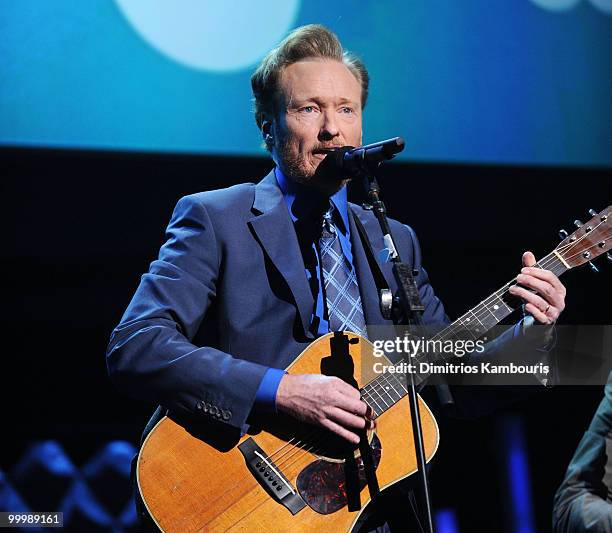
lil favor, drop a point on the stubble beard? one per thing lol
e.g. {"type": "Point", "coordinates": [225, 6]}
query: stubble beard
{"type": "Point", "coordinates": [295, 167]}
{"type": "Point", "coordinates": [293, 164]}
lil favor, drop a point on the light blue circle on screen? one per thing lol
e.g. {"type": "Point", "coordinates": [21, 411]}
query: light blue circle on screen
{"type": "Point", "coordinates": [211, 35]}
{"type": "Point", "coordinates": [556, 5]}
{"type": "Point", "coordinates": [603, 5]}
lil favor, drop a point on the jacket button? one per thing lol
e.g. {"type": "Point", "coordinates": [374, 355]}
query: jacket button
{"type": "Point", "coordinates": [227, 415]}
{"type": "Point", "coordinates": [206, 407]}
{"type": "Point", "coordinates": [198, 405]}
{"type": "Point", "coordinates": [214, 410]}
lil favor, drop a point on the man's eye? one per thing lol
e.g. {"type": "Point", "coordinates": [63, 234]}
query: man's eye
{"type": "Point", "coordinates": [307, 109]}
{"type": "Point", "coordinates": [347, 110]}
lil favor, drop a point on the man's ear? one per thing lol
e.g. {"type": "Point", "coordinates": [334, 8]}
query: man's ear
{"type": "Point", "coordinates": [266, 131]}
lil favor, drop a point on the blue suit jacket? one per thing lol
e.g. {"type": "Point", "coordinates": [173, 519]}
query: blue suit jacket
{"type": "Point", "coordinates": [228, 297]}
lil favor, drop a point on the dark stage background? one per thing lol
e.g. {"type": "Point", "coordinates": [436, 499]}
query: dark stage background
{"type": "Point", "coordinates": [81, 227]}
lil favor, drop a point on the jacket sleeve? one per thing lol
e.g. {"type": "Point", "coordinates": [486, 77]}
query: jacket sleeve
{"type": "Point", "coordinates": [150, 354]}
{"type": "Point", "coordinates": [582, 501]}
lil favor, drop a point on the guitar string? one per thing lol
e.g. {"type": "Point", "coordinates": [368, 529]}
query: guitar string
{"type": "Point", "coordinates": [300, 452]}
{"type": "Point", "coordinates": [266, 499]}
{"type": "Point", "coordinates": [296, 459]}
{"type": "Point", "coordinates": [364, 393]}
{"type": "Point", "coordinates": [259, 502]}
{"type": "Point", "coordinates": [311, 447]}
{"type": "Point", "coordinates": [576, 255]}
{"type": "Point", "coordinates": [314, 447]}
{"type": "Point", "coordinates": [286, 473]}
{"type": "Point", "coordinates": [251, 483]}
{"type": "Point", "coordinates": [315, 450]}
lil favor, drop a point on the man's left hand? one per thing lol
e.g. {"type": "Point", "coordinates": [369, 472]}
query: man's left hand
{"type": "Point", "coordinates": [548, 300]}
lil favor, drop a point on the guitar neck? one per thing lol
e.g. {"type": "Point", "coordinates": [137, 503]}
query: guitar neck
{"type": "Point", "coordinates": [492, 310]}
{"type": "Point", "coordinates": [387, 389]}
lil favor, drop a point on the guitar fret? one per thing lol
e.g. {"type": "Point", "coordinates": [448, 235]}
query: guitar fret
{"type": "Point", "coordinates": [377, 384]}
{"type": "Point", "coordinates": [553, 263]}
{"type": "Point", "coordinates": [377, 398]}
{"type": "Point", "coordinates": [476, 317]}
{"type": "Point", "coordinates": [366, 394]}
{"type": "Point", "coordinates": [503, 308]}
{"type": "Point", "coordinates": [383, 400]}
{"type": "Point", "coordinates": [488, 308]}
{"type": "Point", "coordinates": [500, 298]}
{"type": "Point", "coordinates": [401, 385]}
{"type": "Point", "coordinates": [390, 396]}
{"type": "Point", "coordinates": [388, 385]}
{"type": "Point", "coordinates": [371, 402]}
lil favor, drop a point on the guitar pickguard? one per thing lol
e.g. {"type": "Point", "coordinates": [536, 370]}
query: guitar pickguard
{"type": "Point", "coordinates": [322, 484]}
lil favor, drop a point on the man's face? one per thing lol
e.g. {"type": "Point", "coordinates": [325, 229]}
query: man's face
{"type": "Point", "coordinates": [319, 108]}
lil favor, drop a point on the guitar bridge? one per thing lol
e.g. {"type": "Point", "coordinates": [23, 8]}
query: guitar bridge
{"type": "Point", "coordinates": [269, 476]}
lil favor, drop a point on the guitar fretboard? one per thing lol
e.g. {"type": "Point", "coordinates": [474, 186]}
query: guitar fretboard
{"type": "Point", "coordinates": [388, 388]}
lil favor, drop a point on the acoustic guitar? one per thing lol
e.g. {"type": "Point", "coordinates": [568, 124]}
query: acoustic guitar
{"type": "Point", "coordinates": [292, 476]}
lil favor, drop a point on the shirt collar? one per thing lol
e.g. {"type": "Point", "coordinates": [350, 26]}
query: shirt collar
{"type": "Point", "coordinates": [302, 200]}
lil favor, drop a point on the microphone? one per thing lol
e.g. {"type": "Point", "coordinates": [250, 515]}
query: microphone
{"type": "Point", "coordinates": [364, 159]}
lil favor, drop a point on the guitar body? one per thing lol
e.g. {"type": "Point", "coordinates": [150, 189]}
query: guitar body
{"type": "Point", "coordinates": [188, 484]}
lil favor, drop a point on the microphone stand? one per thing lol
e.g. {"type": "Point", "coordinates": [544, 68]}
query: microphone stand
{"type": "Point", "coordinates": [412, 307]}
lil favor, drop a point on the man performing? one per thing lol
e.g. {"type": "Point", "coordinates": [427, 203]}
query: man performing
{"type": "Point", "coordinates": [250, 275]}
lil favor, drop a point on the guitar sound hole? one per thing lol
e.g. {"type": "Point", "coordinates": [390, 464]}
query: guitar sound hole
{"type": "Point", "coordinates": [328, 445]}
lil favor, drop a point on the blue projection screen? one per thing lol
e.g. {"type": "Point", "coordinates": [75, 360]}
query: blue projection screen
{"type": "Point", "coordinates": [504, 81]}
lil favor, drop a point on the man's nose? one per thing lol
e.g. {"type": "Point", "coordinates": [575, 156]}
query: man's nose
{"type": "Point", "coordinates": [329, 126]}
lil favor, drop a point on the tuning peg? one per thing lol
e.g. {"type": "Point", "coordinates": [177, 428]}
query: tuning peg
{"type": "Point", "coordinates": [577, 223]}
{"type": "Point", "coordinates": [593, 267]}
{"type": "Point", "coordinates": [562, 234]}
{"type": "Point", "coordinates": [592, 212]}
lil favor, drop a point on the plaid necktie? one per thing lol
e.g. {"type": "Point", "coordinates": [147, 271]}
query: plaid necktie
{"type": "Point", "coordinates": [340, 282]}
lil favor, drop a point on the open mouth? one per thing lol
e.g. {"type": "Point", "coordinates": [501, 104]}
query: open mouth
{"type": "Point", "coordinates": [322, 152]}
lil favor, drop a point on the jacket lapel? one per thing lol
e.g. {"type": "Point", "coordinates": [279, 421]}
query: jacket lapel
{"type": "Point", "coordinates": [274, 230]}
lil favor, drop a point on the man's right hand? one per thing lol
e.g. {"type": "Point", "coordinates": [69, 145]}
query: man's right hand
{"type": "Point", "coordinates": [325, 401]}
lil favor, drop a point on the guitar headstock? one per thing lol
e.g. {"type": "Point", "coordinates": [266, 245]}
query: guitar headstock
{"type": "Point", "coordinates": [589, 241]}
